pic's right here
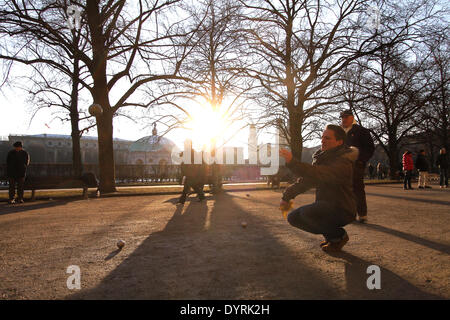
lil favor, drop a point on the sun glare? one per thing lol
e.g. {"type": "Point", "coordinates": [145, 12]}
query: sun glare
{"type": "Point", "coordinates": [207, 126]}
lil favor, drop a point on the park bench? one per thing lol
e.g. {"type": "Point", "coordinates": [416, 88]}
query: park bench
{"type": "Point", "coordinates": [85, 181]}
{"type": "Point", "coordinates": [433, 177]}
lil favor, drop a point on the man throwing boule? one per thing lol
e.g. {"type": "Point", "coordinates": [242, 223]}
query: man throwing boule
{"type": "Point", "coordinates": [331, 175]}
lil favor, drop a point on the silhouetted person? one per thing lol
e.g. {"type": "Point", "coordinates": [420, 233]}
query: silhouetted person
{"type": "Point", "coordinates": [17, 162]}
{"type": "Point", "coordinates": [371, 169]}
{"type": "Point", "coordinates": [422, 167]}
{"type": "Point", "coordinates": [442, 164]}
{"type": "Point", "coordinates": [359, 137]}
{"type": "Point", "coordinates": [193, 176]}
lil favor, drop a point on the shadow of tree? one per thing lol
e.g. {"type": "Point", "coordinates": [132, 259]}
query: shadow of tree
{"type": "Point", "coordinates": [424, 242]}
{"type": "Point", "coordinates": [14, 208]}
{"type": "Point", "coordinates": [433, 201]}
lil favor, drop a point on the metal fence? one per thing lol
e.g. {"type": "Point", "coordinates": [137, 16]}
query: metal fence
{"type": "Point", "coordinates": [138, 173]}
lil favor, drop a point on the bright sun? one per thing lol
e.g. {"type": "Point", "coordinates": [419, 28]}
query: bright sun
{"type": "Point", "coordinates": [206, 126]}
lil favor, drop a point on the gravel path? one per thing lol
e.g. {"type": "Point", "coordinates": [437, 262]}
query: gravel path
{"type": "Point", "coordinates": [201, 250]}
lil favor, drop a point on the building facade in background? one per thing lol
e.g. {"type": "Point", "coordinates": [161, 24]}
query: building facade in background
{"type": "Point", "coordinates": [57, 149]}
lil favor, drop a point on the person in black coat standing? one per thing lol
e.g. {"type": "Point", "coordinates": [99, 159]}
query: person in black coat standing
{"type": "Point", "coordinates": [442, 164]}
{"type": "Point", "coordinates": [422, 167]}
{"type": "Point", "coordinates": [359, 137]}
{"type": "Point", "coordinates": [17, 162]}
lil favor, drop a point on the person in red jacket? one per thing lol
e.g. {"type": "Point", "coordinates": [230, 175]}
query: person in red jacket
{"type": "Point", "coordinates": [408, 167]}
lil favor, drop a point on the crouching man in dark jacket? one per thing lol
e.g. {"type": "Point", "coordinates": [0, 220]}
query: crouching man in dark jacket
{"type": "Point", "coordinates": [331, 175]}
{"type": "Point", "coordinates": [17, 162]}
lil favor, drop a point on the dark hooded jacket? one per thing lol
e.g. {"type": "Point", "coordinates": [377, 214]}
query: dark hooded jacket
{"type": "Point", "coordinates": [360, 138]}
{"type": "Point", "coordinates": [421, 163]}
{"type": "Point", "coordinates": [330, 174]}
{"type": "Point", "coordinates": [17, 163]}
{"type": "Point", "coordinates": [442, 161]}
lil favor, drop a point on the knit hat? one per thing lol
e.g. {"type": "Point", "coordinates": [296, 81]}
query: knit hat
{"type": "Point", "coordinates": [346, 113]}
{"type": "Point", "coordinates": [17, 144]}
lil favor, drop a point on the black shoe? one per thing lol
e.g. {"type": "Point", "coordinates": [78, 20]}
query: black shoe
{"type": "Point", "coordinates": [411, 188]}
{"type": "Point", "coordinates": [335, 246]}
{"type": "Point", "coordinates": [421, 187]}
{"type": "Point", "coordinates": [362, 219]}
{"type": "Point", "coordinates": [428, 187]}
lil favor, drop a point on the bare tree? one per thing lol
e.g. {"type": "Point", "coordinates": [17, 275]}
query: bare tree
{"type": "Point", "coordinates": [436, 114]}
{"type": "Point", "coordinates": [392, 91]}
{"type": "Point", "coordinates": [301, 48]}
{"type": "Point", "coordinates": [213, 67]}
{"type": "Point", "coordinates": [24, 46]}
{"type": "Point", "coordinates": [130, 45]}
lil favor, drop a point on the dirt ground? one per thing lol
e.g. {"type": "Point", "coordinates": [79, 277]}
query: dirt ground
{"type": "Point", "coordinates": [201, 250]}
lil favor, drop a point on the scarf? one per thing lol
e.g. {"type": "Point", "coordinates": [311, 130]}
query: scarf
{"type": "Point", "coordinates": [321, 156]}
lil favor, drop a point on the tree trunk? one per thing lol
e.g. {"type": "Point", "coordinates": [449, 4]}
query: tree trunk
{"type": "Point", "coordinates": [74, 119]}
{"type": "Point", "coordinates": [106, 152]}
{"type": "Point", "coordinates": [295, 129]}
{"type": "Point", "coordinates": [393, 161]}
{"type": "Point", "coordinates": [100, 94]}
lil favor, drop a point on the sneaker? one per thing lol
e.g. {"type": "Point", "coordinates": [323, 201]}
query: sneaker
{"type": "Point", "coordinates": [362, 219]}
{"type": "Point", "coordinates": [442, 187]}
{"type": "Point", "coordinates": [20, 201]}
{"type": "Point", "coordinates": [336, 246]}
{"type": "Point", "coordinates": [428, 187]}
{"type": "Point", "coordinates": [11, 201]}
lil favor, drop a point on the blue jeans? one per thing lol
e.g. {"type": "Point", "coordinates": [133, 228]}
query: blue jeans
{"type": "Point", "coordinates": [321, 217]}
{"type": "Point", "coordinates": [443, 176]}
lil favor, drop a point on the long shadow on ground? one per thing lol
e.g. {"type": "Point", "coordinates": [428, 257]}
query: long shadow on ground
{"type": "Point", "coordinates": [14, 208]}
{"type": "Point", "coordinates": [445, 203]}
{"type": "Point", "coordinates": [392, 285]}
{"type": "Point", "coordinates": [207, 254]}
{"type": "Point", "coordinates": [421, 241]}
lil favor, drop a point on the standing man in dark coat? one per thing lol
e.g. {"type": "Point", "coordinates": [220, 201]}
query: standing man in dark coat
{"type": "Point", "coordinates": [359, 137]}
{"type": "Point", "coordinates": [371, 169]}
{"type": "Point", "coordinates": [422, 167]}
{"type": "Point", "coordinates": [442, 164]}
{"type": "Point", "coordinates": [17, 162]}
